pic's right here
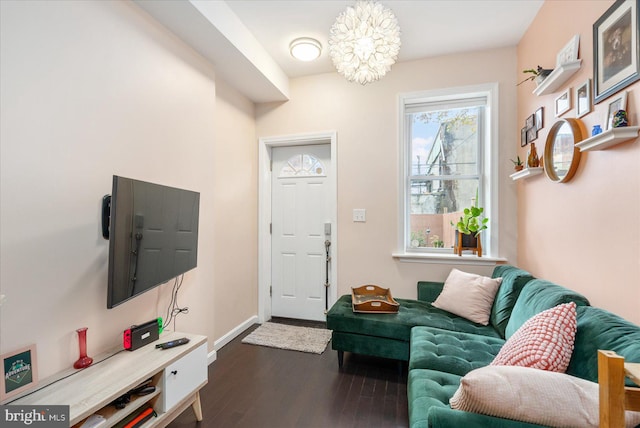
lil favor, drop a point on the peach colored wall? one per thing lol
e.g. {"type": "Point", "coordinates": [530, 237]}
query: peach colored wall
{"type": "Point", "coordinates": [92, 89]}
{"type": "Point", "coordinates": [366, 121]}
{"type": "Point", "coordinates": [235, 168]}
{"type": "Point", "coordinates": [583, 234]}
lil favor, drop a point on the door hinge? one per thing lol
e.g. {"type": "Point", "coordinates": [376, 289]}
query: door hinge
{"type": "Point", "coordinates": [271, 291]}
{"type": "Point", "coordinates": [271, 165]}
{"type": "Point", "coordinates": [270, 228]}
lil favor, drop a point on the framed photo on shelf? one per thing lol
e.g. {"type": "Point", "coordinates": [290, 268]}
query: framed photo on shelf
{"type": "Point", "coordinates": [616, 54]}
{"type": "Point", "coordinates": [523, 137]}
{"type": "Point", "coordinates": [540, 118]}
{"type": "Point", "coordinates": [619, 102]}
{"type": "Point", "coordinates": [570, 52]}
{"type": "Point", "coordinates": [583, 98]}
{"type": "Point", "coordinates": [19, 371]}
{"type": "Point", "coordinates": [563, 103]}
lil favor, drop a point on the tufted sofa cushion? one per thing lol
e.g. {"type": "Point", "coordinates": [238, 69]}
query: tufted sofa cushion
{"type": "Point", "coordinates": [452, 352]}
{"type": "Point", "coordinates": [536, 296]}
{"type": "Point", "coordinates": [398, 326]}
{"type": "Point", "coordinates": [427, 389]}
{"type": "Point", "coordinates": [600, 329]}
{"type": "Point", "coordinates": [513, 280]}
{"type": "Point", "coordinates": [428, 393]}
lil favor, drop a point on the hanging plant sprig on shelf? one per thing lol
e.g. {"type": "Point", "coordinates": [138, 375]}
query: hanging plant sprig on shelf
{"type": "Point", "coordinates": [538, 74]}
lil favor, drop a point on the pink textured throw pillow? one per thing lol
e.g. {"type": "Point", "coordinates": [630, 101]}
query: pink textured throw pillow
{"type": "Point", "coordinates": [543, 342]}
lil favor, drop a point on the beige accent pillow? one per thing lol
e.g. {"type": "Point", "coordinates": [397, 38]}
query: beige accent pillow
{"type": "Point", "coordinates": [468, 295]}
{"type": "Point", "coordinates": [532, 395]}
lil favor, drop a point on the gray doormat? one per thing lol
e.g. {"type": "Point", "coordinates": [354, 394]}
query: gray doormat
{"type": "Point", "coordinates": [283, 336]}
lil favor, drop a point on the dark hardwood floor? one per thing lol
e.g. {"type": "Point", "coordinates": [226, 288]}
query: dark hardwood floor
{"type": "Point", "coordinates": [260, 387]}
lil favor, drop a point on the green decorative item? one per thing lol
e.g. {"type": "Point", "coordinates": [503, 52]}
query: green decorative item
{"type": "Point", "coordinates": [472, 220]}
{"type": "Point", "coordinates": [518, 165]}
{"type": "Point", "coordinates": [620, 119]}
{"type": "Point", "coordinates": [538, 74]}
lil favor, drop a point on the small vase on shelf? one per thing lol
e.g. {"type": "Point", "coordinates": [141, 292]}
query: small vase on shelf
{"type": "Point", "coordinates": [83, 361]}
{"type": "Point", "coordinates": [533, 161]}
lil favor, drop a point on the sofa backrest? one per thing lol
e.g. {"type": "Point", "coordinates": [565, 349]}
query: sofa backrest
{"type": "Point", "coordinates": [536, 296]}
{"type": "Point", "coordinates": [513, 280]}
{"type": "Point", "coordinates": [600, 329]}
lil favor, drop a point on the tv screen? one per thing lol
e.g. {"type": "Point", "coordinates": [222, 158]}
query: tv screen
{"type": "Point", "coordinates": [153, 236]}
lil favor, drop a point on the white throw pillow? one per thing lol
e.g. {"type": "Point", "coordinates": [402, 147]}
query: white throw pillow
{"type": "Point", "coordinates": [532, 395]}
{"type": "Point", "coordinates": [468, 295]}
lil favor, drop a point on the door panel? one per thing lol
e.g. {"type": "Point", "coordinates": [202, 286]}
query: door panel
{"type": "Point", "coordinates": [300, 207]}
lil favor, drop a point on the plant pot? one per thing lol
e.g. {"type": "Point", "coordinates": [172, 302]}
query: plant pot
{"type": "Point", "coordinates": [543, 74]}
{"type": "Point", "coordinates": [518, 168]}
{"type": "Point", "coordinates": [467, 242]}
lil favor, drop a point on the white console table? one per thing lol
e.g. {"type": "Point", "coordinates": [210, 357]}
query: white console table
{"type": "Point", "coordinates": [177, 373]}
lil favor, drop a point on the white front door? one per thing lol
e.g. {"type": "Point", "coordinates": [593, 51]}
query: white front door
{"type": "Point", "coordinates": [300, 209]}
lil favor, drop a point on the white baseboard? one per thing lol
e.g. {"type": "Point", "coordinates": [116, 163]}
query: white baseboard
{"type": "Point", "coordinates": [234, 333]}
{"type": "Point", "coordinates": [212, 356]}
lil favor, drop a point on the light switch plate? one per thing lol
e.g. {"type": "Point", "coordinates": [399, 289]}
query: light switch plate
{"type": "Point", "coordinates": [359, 215]}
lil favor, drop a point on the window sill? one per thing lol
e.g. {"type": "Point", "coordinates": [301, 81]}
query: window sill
{"type": "Point", "coordinates": [448, 259]}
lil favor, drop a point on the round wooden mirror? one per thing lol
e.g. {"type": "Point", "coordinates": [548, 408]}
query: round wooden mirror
{"type": "Point", "coordinates": [561, 156]}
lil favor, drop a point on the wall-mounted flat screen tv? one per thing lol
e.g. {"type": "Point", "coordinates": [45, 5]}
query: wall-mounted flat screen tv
{"type": "Point", "coordinates": [153, 236]}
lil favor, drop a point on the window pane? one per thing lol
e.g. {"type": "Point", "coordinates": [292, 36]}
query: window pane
{"type": "Point", "coordinates": [302, 165]}
{"type": "Point", "coordinates": [434, 204]}
{"type": "Point", "coordinates": [445, 142]}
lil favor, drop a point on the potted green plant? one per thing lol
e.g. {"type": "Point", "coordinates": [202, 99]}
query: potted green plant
{"type": "Point", "coordinates": [518, 165]}
{"type": "Point", "coordinates": [469, 227]}
{"type": "Point", "coordinates": [538, 74]}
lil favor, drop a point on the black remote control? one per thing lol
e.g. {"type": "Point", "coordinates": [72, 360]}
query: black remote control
{"type": "Point", "coordinates": [173, 343]}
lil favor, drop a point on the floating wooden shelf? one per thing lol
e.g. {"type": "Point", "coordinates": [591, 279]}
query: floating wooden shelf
{"type": "Point", "coordinates": [526, 173]}
{"type": "Point", "coordinates": [609, 138]}
{"type": "Point", "coordinates": [557, 78]}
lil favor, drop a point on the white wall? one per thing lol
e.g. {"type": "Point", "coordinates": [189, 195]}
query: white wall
{"type": "Point", "coordinates": [90, 89]}
{"type": "Point", "coordinates": [366, 121]}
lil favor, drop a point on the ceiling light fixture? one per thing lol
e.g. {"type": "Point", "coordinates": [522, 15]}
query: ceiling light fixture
{"type": "Point", "coordinates": [364, 42]}
{"type": "Point", "coordinates": [305, 49]}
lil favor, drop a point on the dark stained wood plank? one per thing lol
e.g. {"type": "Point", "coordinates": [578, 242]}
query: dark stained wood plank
{"type": "Point", "coordinates": [260, 387]}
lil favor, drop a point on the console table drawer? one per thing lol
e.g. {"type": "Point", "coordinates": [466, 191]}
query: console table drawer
{"type": "Point", "coordinates": [183, 377]}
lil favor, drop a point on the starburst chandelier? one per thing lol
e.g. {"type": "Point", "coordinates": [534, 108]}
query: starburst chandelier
{"type": "Point", "coordinates": [364, 42]}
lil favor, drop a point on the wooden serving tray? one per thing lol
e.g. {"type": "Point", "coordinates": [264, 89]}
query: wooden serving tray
{"type": "Point", "coordinates": [373, 299]}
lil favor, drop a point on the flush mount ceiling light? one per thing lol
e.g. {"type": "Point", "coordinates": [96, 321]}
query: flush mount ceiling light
{"type": "Point", "coordinates": [305, 49]}
{"type": "Point", "coordinates": [364, 42]}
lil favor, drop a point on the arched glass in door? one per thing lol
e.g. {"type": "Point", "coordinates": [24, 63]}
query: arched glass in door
{"type": "Point", "coordinates": [302, 165]}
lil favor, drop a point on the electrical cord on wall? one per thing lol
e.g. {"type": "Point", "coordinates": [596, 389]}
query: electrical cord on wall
{"type": "Point", "coordinates": [174, 309]}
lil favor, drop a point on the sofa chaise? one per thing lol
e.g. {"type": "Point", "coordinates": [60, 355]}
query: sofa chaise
{"type": "Point", "coordinates": [441, 347]}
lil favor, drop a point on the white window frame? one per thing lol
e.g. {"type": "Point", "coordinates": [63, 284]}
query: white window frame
{"type": "Point", "coordinates": [488, 165]}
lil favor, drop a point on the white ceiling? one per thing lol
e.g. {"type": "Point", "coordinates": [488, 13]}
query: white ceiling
{"type": "Point", "coordinates": [248, 40]}
{"type": "Point", "coordinates": [428, 27]}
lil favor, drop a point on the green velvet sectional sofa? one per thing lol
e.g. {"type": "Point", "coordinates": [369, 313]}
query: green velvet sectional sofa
{"type": "Point", "coordinates": [441, 347]}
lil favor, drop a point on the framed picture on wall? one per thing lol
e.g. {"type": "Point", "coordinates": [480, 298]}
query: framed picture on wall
{"type": "Point", "coordinates": [523, 137]}
{"type": "Point", "coordinates": [532, 134]}
{"type": "Point", "coordinates": [19, 371]}
{"type": "Point", "coordinates": [583, 98]}
{"type": "Point", "coordinates": [563, 103]}
{"type": "Point", "coordinates": [540, 118]}
{"type": "Point", "coordinates": [530, 122]}
{"type": "Point", "coordinates": [619, 102]}
{"type": "Point", "coordinates": [616, 56]}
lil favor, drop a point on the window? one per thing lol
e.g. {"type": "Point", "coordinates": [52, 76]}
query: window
{"type": "Point", "coordinates": [446, 139]}
{"type": "Point", "coordinates": [304, 165]}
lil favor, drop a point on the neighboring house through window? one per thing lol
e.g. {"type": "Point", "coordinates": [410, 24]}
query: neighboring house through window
{"type": "Point", "coordinates": [448, 139]}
